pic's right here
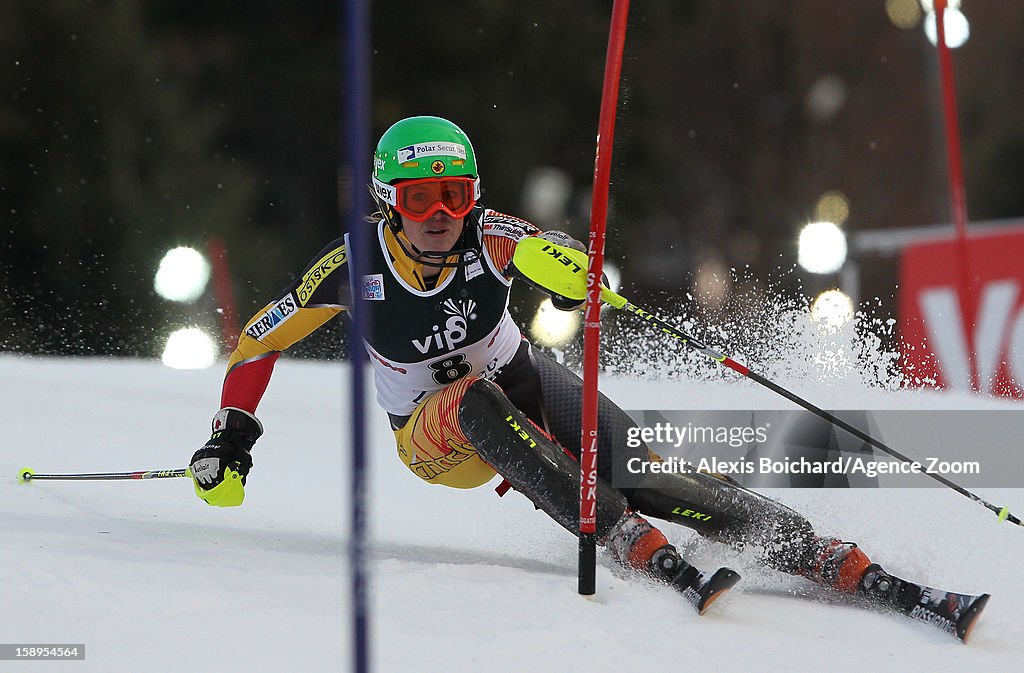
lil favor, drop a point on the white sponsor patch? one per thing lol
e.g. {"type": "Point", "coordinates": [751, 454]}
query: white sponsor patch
{"type": "Point", "coordinates": [220, 420]}
{"type": "Point", "coordinates": [373, 287]}
{"type": "Point", "coordinates": [473, 266]}
{"type": "Point", "coordinates": [205, 470]}
{"type": "Point", "coordinates": [272, 318]}
{"type": "Point", "coordinates": [434, 149]}
{"type": "Point", "coordinates": [500, 224]}
{"type": "Point", "coordinates": [513, 231]}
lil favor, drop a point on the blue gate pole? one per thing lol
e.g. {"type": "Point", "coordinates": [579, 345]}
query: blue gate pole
{"type": "Point", "coordinates": [355, 92]}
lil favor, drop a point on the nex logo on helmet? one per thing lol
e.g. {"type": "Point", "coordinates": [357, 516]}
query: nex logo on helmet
{"type": "Point", "coordinates": [385, 192]}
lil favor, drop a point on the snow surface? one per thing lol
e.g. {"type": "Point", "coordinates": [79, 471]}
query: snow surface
{"type": "Point", "coordinates": [151, 579]}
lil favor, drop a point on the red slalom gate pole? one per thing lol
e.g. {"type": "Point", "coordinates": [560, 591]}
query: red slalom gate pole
{"type": "Point", "coordinates": [592, 313]}
{"type": "Point", "coordinates": [957, 191]}
{"type": "Point", "coordinates": [223, 292]}
{"type": "Point", "coordinates": [958, 198]}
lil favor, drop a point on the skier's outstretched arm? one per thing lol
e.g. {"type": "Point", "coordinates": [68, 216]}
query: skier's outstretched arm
{"type": "Point", "coordinates": [320, 293]}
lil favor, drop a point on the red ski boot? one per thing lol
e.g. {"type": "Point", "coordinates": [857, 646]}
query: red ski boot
{"type": "Point", "coordinates": [838, 565]}
{"type": "Point", "coordinates": [636, 544]}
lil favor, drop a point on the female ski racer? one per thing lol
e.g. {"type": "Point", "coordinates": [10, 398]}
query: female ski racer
{"type": "Point", "coordinates": [470, 398]}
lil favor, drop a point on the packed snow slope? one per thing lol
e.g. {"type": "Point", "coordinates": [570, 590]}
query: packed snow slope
{"type": "Point", "coordinates": [151, 579]}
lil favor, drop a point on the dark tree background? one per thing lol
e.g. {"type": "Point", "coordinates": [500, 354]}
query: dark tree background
{"type": "Point", "coordinates": [128, 127]}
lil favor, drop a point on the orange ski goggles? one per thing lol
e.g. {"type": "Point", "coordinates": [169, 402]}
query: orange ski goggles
{"type": "Point", "coordinates": [421, 198]}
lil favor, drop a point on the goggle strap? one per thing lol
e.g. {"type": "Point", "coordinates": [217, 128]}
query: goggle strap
{"type": "Point", "coordinates": [385, 192]}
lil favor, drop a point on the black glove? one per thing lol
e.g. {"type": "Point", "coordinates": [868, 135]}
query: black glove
{"type": "Point", "coordinates": [234, 433]}
{"type": "Point", "coordinates": [566, 304]}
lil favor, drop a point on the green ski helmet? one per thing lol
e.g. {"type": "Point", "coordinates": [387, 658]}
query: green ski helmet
{"type": "Point", "coordinates": [416, 148]}
{"type": "Point", "coordinates": [423, 147]}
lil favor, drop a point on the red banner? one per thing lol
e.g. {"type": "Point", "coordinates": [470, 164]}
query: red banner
{"type": "Point", "coordinates": [961, 339]}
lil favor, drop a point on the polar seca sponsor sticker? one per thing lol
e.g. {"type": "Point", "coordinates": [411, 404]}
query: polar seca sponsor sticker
{"type": "Point", "coordinates": [434, 149]}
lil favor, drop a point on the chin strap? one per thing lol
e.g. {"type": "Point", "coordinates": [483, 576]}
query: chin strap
{"type": "Point", "coordinates": [439, 260]}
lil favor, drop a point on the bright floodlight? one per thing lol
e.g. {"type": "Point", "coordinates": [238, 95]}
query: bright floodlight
{"type": "Point", "coordinates": [182, 275]}
{"type": "Point", "coordinates": [189, 348]}
{"type": "Point", "coordinates": [614, 276]}
{"type": "Point", "coordinates": [957, 28]}
{"type": "Point", "coordinates": [554, 328]}
{"type": "Point", "coordinates": [832, 309]}
{"type": "Point", "coordinates": [822, 248]}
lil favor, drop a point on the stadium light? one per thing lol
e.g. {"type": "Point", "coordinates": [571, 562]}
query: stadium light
{"type": "Point", "coordinates": [546, 194]}
{"type": "Point", "coordinates": [832, 309]}
{"type": "Point", "coordinates": [614, 276]}
{"type": "Point", "coordinates": [189, 348]}
{"type": "Point", "coordinates": [182, 275]}
{"type": "Point", "coordinates": [822, 248]}
{"type": "Point", "coordinates": [832, 206]}
{"type": "Point", "coordinates": [958, 28]}
{"type": "Point", "coordinates": [905, 14]}
{"type": "Point", "coordinates": [554, 328]}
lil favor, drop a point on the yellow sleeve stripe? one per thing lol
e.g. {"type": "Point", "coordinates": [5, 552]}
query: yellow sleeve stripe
{"type": "Point", "coordinates": [318, 272]}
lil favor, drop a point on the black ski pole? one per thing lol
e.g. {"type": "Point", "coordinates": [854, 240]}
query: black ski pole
{"type": "Point", "coordinates": [620, 302]}
{"type": "Point", "coordinates": [563, 271]}
{"type": "Point", "coordinates": [26, 475]}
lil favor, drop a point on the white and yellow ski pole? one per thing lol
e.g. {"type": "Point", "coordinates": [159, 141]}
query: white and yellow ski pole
{"type": "Point", "coordinates": [26, 475]}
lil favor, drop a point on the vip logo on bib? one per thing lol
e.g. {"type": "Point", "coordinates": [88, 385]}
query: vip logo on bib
{"type": "Point", "coordinates": [455, 327]}
{"type": "Point", "coordinates": [373, 287]}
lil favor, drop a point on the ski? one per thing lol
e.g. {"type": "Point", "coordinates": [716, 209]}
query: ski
{"type": "Point", "coordinates": [953, 613]}
{"type": "Point", "coordinates": [701, 592]}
